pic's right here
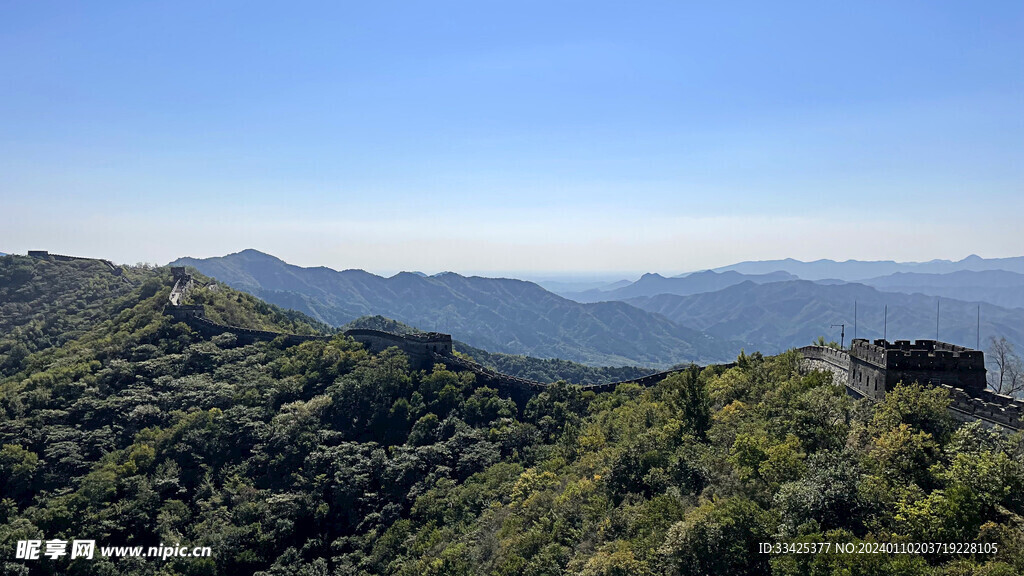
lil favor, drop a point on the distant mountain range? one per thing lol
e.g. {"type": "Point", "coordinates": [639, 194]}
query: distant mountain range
{"type": "Point", "coordinates": [565, 287]}
{"type": "Point", "coordinates": [658, 321]}
{"type": "Point", "coordinates": [970, 280]}
{"type": "Point", "coordinates": [498, 315]}
{"type": "Point", "coordinates": [852, 270]}
{"type": "Point", "coordinates": [693, 283]}
{"type": "Point", "coordinates": [997, 287]}
{"type": "Point", "coordinates": [776, 316]}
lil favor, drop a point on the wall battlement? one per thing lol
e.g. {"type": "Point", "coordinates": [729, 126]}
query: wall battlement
{"type": "Point", "coordinates": [878, 366]}
{"type": "Point", "coordinates": [989, 407]}
{"type": "Point", "coordinates": [870, 369]}
{"type": "Point", "coordinates": [920, 354]}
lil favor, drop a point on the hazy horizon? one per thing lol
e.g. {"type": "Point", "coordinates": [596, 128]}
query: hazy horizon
{"type": "Point", "coordinates": [540, 276]}
{"type": "Point", "coordinates": [575, 277]}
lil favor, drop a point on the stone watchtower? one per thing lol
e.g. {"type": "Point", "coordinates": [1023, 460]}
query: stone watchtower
{"type": "Point", "coordinates": [420, 348]}
{"type": "Point", "coordinates": [876, 367]}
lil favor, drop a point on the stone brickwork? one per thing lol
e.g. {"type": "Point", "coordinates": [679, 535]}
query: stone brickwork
{"type": "Point", "coordinates": [826, 359]}
{"type": "Point", "coordinates": [876, 367]}
{"type": "Point", "coordinates": [986, 407]}
{"type": "Point", "coordinates": [870, 369]}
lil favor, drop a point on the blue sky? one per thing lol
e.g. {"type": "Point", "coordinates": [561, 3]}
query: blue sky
{"type": "Point", "coordinates": [487, 137]}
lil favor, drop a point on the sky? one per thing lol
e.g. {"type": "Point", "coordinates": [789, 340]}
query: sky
{"type": "Point", "coordinates": [527, 137]}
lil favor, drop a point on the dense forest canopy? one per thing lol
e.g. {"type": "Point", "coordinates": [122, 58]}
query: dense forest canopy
{"type": "Point", "coordinates": [118, 424]}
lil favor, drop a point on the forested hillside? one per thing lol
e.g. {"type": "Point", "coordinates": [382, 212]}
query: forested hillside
{"type": "Point", "coordinates": [322, 459]}
{"type": "Point", "coordinates": [45, 304]}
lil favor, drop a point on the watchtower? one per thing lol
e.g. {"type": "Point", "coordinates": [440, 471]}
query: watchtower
{"type": "Point", "coordinates": [876, 367]}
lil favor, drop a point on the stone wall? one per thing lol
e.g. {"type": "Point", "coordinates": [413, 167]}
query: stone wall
{"type": "Point", "coordinates": [182, 284]}
{"type": "Point", "coordinates": [208, 328]}
{"type": "Point", "coordinates": [878, 366]}
{"type": "Point", "coordinates": [826, 359]}
{"type": "Point", "coordinates": [989, 408]}
{"type": "Point", "coordinates": [870, 370]}
{"type": "Point", "coordinates": [420, 348]}
{"type": "Point", "coordinates": [870, 380]}
{"type": "Point", "coordinates": [185, 312]}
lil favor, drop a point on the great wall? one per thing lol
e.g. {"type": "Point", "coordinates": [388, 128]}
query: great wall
{"type": "Point", "coordinates": [866, 370]}
{"type": "Point", "coordinates": [871, 369]}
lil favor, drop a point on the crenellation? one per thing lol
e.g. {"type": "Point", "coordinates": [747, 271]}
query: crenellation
{"type": "Point", "coordinates": [871, 369]}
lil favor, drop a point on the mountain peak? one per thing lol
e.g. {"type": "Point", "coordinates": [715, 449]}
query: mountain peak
{"type": "Point", "coordinates": [253, 254]}
{"type": "Point", "coordinates": [405, 274]}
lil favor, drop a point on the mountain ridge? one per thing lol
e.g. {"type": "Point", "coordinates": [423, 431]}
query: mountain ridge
{"type": "Point", "coordinates": [999, 287]}
{"type": "Point", "coordinates": [652, 284]}
{"type": "Point", "coordinates": [776, 316]}
{"type": "Point", "coordinates": [853, 270]}
{"type": "Point", "coordinates": [500, 315]}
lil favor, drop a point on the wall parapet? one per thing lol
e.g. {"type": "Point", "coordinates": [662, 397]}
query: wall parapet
{"type": "Point", "coordinates": [828, 359]}
{"type": "Point", "coordinates": [841, 358]}
{"type": "Point", "coordinates": [992, 409]}
{"type": "Point", "coordinates": [927, 362]}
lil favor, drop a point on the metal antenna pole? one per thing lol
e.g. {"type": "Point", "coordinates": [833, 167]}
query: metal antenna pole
{"type": "Point", "coordinates": [978, 345]}
{"type": "Point", "coordinates": [885, 323]}
{"type": "Point", "coordinates": [842, 334]}
{"type": "Point", "coordinates": [854, 319]}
